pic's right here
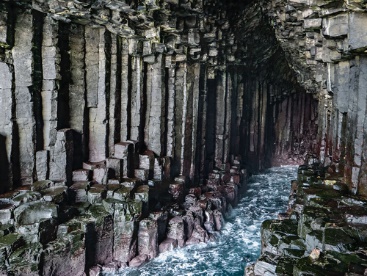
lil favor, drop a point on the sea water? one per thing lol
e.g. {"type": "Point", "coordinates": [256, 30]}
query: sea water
{"type": "Point", "coordinates": [239, 242]}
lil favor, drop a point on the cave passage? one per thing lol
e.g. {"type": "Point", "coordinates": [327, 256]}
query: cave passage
{"type": "Point", "coordinates": [128, 128]}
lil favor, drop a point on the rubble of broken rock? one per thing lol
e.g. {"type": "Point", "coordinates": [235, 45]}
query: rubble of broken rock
{"type": "Point", "coordinates": [117, 213]}
{"type": "Point", "coordinates": [323, 232]}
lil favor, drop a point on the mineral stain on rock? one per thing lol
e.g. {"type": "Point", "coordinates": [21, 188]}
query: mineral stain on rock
{"type": "Point", "coordinates": [130, 127]}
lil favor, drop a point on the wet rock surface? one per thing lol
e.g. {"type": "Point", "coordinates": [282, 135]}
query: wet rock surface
{"type": "Point", "coordinates": [50, 228]}
{"type": "Point", "coordinates": [323, 231]}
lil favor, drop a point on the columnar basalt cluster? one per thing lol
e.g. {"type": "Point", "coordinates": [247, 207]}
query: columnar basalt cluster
{"type": "Point", "coordinates": [103, 224]}
{"type": "Point", "coordinates": [323, 232]}
{"type": "Point", "coordinates": [165, 74]}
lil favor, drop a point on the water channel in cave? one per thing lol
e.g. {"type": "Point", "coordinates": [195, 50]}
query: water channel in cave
{"type": "Point", "coordinates": [239, 243]}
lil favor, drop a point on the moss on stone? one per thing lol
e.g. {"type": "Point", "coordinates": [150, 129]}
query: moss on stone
{"type": "Point", "coordinates": [10, 239]}
{"type": "Point", "coordinates": [26, 259]}
{"type": "Point", "coordinates": [284, 266]}
{"type": "Point", "coordinates": [299, 244]}
{"type": "Point", "coordinates": [348, 260]}
{"type": "Point", "coordinates": [267, 223]}
{"type": "Point", "coordinates": [135, 207]}
{"type": "Point", "coordinates": [274, 240]}
{"type": "Point", "coordinates": [337, 239]}
{"type": "Point", "coordinates": [326, 203]}
{"type": "Point", "coordinates": [293, 253]}
{"type": "Point", "coordinates": [287, 239]}
{"type": "Point", "coordinates": [98, 212]}
{"type": "Point", "coordinates": [357, 232]}
{"type": "Point", "coordinates": [6, 229]}
{"type": "Point", "coordinates": [304, 227]}
{"type": "Point", "coordinates": [82, 207]}
{"type": "Point", "coordinates": [288, 226]}
{"type": "Point", "coordinates": [305, 266]}
{"type": "Point", "coordinates": [77, 242]}
{"type": "Point", "coordinates": [311, 213]}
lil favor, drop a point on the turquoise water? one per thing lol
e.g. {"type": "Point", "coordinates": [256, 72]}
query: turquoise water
{"type": "Point", "coordinates": [239, 243]}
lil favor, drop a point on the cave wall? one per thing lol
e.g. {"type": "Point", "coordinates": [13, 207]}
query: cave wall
{"type": "Point", "coordinates": [325, 43]}
{"type": "Point", "coordinates": [162, 76]}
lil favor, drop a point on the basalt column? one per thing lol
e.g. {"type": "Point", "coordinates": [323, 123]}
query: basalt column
{"type": "Point", "coordinates": [180, 96]}
{"type": "Point", "coordinates": [8, 147]}
{"type": "Point", "coordinates": [77, 92]}
{"type": "Point", "coordinates": [98, 70]}
{"type": "Point", "coordinates": [24, 95]}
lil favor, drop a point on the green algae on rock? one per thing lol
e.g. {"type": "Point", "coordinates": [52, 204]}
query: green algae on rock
{"type": "Point", "coordinates": [329, 223]}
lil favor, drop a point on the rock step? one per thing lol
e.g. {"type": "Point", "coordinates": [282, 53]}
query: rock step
{"type": "Point", "coordinates": [324, 225]}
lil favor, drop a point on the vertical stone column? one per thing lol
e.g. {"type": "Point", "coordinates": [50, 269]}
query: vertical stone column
{"type": "Point", "coordinates": [362, 187]}
{"type": "Point", "coordinates": [61, 157]}
{"type": "Point", "coordinates": [6, 127]}
{"type": "Point", "coordinates": [356, 111]}
{"type": "Point", "coordinates": [92, 39]}
{"type": "Point", "coordinates": [253, 122]}
{"type": "Point", "coordinates": [228, 117]}
{"type": "Point", "coordinates": [235, 144]}
{"type": "Point", "coordinates": [6, 102]}
{"type": "Point", "coordinates": [155, 106]}
{"type": "Point", "coordinates": [37, 77]}
{"type": "Point", "coordinates": [344, 99]}
{"type": "Point", "coordinates": [192, 118]}
{"type": "Point", "coordinates": [6, 26]}
{"type": "Point", "coordinates": [286, 131]}
{"type": "Point", "coordinates": [324, 127]}
{"type": "Point", "coordinates": [136, 95]}
{"type": "Point", "coordinates": [221, 93]}
{"type": "Point", "coordinates": [24, 117]}
{"type": "Point", "coordinates": [262, 127]}
{"type": "Point", "coordinates": [51, 77]}
{"type": "Point", "coordinates": [77, 88]}
{"type": "Point", "coordinates": [337, 127]}
{"type": "Point", "coordinates": [114, 97]}
{"type": "Point", "coordinates": [202, 112]}
{"type": "Point", "coordinates": [325, 101]}
{"type": "Point", "coordinates": [360, 144]}
{"type": "Point", "coordinates": [147, 97]}
{"type": "Point", "coordinates": [125, 229]}
{"type": "Point", "coordinates": [180, 110]}
{"type": "Point", "coordinates": [97, 93]}
{"type": "Point", "coordinates": [148, 238]}
{"type": "Point", "coordinates": [171, 91]}
{"type": "Point", "coordinates": [125, 90]}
